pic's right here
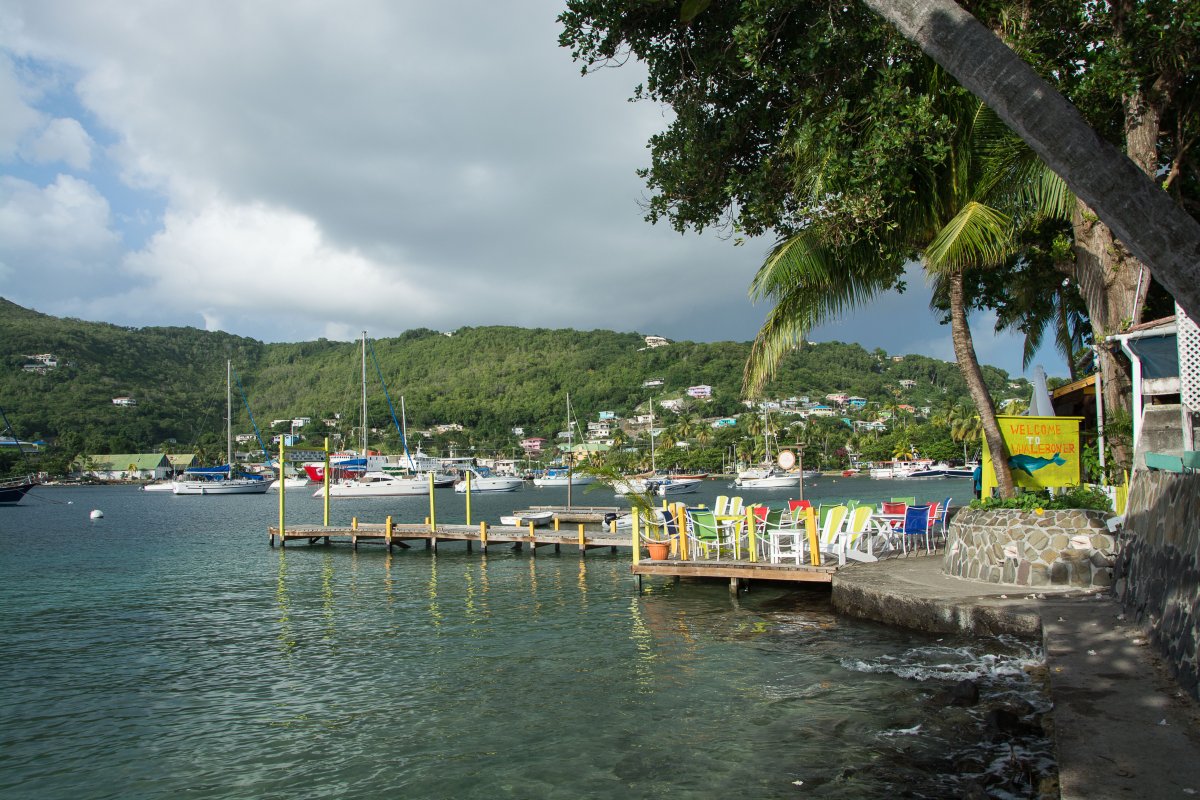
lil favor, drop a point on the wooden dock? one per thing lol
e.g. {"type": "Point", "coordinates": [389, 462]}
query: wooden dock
{"type": "Point", "coordinates": [402, 535]}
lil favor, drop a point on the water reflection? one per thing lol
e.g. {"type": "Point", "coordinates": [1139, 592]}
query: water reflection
{"type": "Point", "coordinates": [285, 636]}
{"type": "Point", "coordinates": [327, 605]}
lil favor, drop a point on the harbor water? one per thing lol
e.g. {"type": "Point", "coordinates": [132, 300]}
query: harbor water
{"type": "Point", "coordinates": [165, 651]}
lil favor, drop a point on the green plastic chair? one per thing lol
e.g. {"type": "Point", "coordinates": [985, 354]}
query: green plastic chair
{"type": "Point", "coordinates": [908, 501]}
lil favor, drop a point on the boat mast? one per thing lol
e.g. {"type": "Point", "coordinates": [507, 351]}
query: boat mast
{"type": "Point", "coordinates": [228, 417]}
{"type": "Point", "coordinates": [570, 479]}
{"type": "Point", "coordinates": [363, 415]}
{"type": "Point", "coordinates": [653, 469]}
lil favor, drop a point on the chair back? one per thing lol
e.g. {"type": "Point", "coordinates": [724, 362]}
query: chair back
{"type": "Point", "coordinates": [908, 501]}
{"type": "Point", "coordinates": [823, 511]}
{"type": "Point", "coordinates": [892, 508]}
{"type": "Point", "coordinates": [934, 511]}
{"type": "Point", "coordinates": [735, 505]}
{"type": "Point", "coordinates": [703, 524]}
{"type": "Point", "coordinates": [720, 504]}
{"type": "Point", "coordinates": [916, 519]}
{"type": "Point", "coordinates": [762, 514]}
{"type": "Point", "coordinates": [773, 520]}
{"type": "Point", "coordinates": [669, 525]}
{"type": "Point", "coordinates": [793, 505]}
{"type": "Point", "coordinates": [859, 521]}
{"type": "Point", "coordinates": [851, 504]}
{"type": "Point", "coordinates": [832, 524]}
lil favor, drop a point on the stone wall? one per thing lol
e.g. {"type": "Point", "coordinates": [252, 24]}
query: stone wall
{"type": "Point", "coordinates": [1071, 547]}
{"type": "Point", "coordinates": [1157, 577]}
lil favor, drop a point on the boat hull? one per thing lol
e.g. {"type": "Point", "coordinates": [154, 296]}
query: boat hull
{"type": "Point", "coordinates": [12, 492]}
{"type": "Point", "coordinates": [490, 485]}
{"type": "Point", "coordinates": [234, 486]}
{"type": "Point", "coordinates": [574, 480]}
{"type": "Point", "coordinates": [377, 484]}
{"type": "Point", "coordinates": [523, 520]}
{"type": "Point", "coordinates": [768, 482]}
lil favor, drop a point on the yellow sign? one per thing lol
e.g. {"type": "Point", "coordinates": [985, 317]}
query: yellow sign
{"type": "Point", "coordinates": [1042, 452]}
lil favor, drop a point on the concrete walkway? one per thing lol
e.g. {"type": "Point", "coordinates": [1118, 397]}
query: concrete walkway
{"type": "Point", "coordinates": [1122, 728]}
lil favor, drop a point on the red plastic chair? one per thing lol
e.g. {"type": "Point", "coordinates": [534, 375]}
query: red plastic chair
{"type": "Point", "coordinates": [795, 504]}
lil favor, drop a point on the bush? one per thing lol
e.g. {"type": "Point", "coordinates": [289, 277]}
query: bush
{"type": "Point", "coordinates": [1073, 497]}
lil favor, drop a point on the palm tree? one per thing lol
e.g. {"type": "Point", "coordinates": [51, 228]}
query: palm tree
{"type": "Point", "coordinates": [953, 218]}
{"type": "Point", "coordinates": [1123, 197]}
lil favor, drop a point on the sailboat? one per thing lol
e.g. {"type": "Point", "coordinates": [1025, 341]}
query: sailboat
{"type": "Point", "coordinates": [662, 485]}
{"type": "Point", "coordinates": [565, 476]}
{"type": "Point", "coordinates": [766, 475]}
{"type": "Point", "coordinates": [14, 489]}
{"type": "Point", "coordinates": [374, 482]}
{"type": "Point", "coordinates": [223, 479]}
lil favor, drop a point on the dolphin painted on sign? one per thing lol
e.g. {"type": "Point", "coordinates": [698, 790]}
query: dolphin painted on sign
{"type": "Point", "coordinates": [1031, 464]}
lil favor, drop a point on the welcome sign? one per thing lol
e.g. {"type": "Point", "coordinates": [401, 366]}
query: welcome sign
{"type": "Point", "coordinates": [1042, 452]}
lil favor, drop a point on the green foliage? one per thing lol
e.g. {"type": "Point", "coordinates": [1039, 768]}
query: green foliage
{"type": "Point", "coordinates": [1073, 497]}
{"type": "Point", "coordinates": [489, 380]}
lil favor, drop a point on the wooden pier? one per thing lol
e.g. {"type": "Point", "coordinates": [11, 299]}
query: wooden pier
{"type": "Point", "coordinates": [403, 535]}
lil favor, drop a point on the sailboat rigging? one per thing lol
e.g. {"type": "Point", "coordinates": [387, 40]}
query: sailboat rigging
{"type": "Point", "coordinates": [223, 479]}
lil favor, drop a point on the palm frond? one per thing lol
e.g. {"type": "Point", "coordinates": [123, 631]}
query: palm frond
{"type": "Point", "coordinates": [978, 235]}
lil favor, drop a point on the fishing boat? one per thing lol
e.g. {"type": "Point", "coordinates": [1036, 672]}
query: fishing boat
{"type": "Point", "coordinates": [223, 479]}
{"type": "Point", "coordinates": [483, 480]}
{"type": "Point", "coordinates": [524, 519]}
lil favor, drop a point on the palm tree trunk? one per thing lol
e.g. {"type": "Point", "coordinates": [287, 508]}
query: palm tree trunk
{"type": "Point", "coordinates": [1145, 218]}
{"type": "Point", "coordinates": [968, 364]}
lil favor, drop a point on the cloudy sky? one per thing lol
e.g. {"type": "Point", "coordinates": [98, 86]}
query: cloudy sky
{"type": "Point", "coordinates": [290, 170]}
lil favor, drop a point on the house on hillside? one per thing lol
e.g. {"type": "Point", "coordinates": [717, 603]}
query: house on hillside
{"type": "Point", "coordinates": [651, 383]}
{"type": "Point", "coordinates": [699, 392]}
{"type": "Point", "coordinates": [907, 383]}
{"type": "Point", "coordinates": [656, 341]}
{"type": "Point", "coordinates": [533, 446]}
{"type": "Point", "coordinates": [125, 467]}
{"type": "Point", "coordinates": [124, 401]}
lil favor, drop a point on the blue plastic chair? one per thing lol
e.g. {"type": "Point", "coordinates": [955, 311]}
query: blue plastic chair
{"type": "Point", "coordinates": [916, 523]}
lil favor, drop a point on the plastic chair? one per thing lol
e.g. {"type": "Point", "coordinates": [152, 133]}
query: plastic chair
{"type": "Point", "coordinates": [705, 535]}
{"type": "Point", "coordinates": [916, 523]}
{"type": "Point", "coordinates": [832, 541]}
{"type": "Point", "coordinates": [908, 501]}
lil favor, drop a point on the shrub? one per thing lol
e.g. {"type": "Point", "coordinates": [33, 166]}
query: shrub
{"type": "Point", "coordinates": [1072, 497]}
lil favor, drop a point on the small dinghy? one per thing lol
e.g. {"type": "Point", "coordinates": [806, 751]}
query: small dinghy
{"type": "Point", "coordinates": [524, 518]}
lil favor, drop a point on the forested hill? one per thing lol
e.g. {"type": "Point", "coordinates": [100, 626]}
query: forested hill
{"type": "Point", "coordinates": [489, 380]}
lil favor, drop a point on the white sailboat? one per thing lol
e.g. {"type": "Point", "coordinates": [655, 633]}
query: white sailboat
{"type": "Point", "coordinates": [565, 476]}
{"type": "Point", "coordinates": [221, 480]}
{"type": "Point", "coordinates": [661, 485]}
{"type": "Point", "coordinates": [767, 475]}
{"type": "Point", "coordinates": [374, 483]}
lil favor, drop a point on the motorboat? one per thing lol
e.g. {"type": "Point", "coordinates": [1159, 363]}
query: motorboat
{"type": "Point", "coordinates": [766, 478]}
{"type": "Point", "coordinates": [671, 486]}
{"type": "Point", "coordinates": [524, 519]}
{"type": "Point", "coordinates": [483, 480]}
{"type": "Point", "coordinates": [377, 484]}
{"type": "Point", "coordinates": [915, 468]}
{"type": "Point", "coordinates": [292, 482]}
{"type": "Point", "coordinates": [159, 486]}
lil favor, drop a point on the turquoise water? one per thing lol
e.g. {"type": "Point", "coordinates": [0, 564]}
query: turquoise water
{"type": "Point", "coordinates": [166, 651]}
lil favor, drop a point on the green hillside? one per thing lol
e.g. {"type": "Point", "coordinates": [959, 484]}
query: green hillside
{"type": "Point", "coordinates": [488, 379]}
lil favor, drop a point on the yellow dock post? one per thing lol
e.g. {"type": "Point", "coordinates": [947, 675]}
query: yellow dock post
{"type": "Point", "coordinates": [556, 524]}
{"type": "Point", "coordinates": [354, 523]}
{"type": "Point", "coordinates": [637, 536]}
{"type": "Point", "coordinates": [483, 537]}
{"type": "Point", "coordinates": [282, 493]}
{"type": "Point", "coordinates": [432, 507]}
{"type": "Point", "coordinates": [750, 520]}
{"type": "Point", "coordinates": [387, 531]}
{"type": "Point", "coordinates": [325, 481]}
{"type": "Point", "coordinates": [582, 545]}
{"type": "Point", "coordinates": [468, 501]}
{"type": "Point", "coordinates": [810, 525]}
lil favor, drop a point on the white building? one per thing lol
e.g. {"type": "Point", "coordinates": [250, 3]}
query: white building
{"type": "Point", "coordinates": [699, 392]}
{"type": "Point", "coordinates": [124, 401]}
{"type": "Point", "coordinates": [656, 341]}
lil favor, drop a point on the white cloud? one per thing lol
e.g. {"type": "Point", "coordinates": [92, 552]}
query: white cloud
{"type": "Point", "coordinates": [17, 116]}
{"type": "Point", "coordinates": [55, 241]}
{"type": "Point", "coordinates": [62, 140]}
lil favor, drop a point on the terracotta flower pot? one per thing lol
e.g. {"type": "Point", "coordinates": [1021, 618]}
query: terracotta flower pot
{"type": "Point", "coordinates": [658, 550]}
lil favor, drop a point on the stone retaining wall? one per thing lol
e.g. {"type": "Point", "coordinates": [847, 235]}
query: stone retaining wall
{"type": "Point", "coordinates": [1071, 547]}
{"type": "Point", "coordinates": [1157, 577]}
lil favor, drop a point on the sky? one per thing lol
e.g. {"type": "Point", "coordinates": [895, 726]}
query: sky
{"type": "Point", "coordinates": [303, 169]}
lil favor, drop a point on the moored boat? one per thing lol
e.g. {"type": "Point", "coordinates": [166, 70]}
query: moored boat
{"type": "Point", "coordinates": [766, 478]}
{"type": "Point", "coordinates": [561, 476]}
{"type": "Point", "coordinates": [376, 484]}
{"type": "Point", "coordinates": [525, 518]}
{"type": "Point", "coordinates": [482, 480]}
{"type": "Point", "coordinates": [12, 491]}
